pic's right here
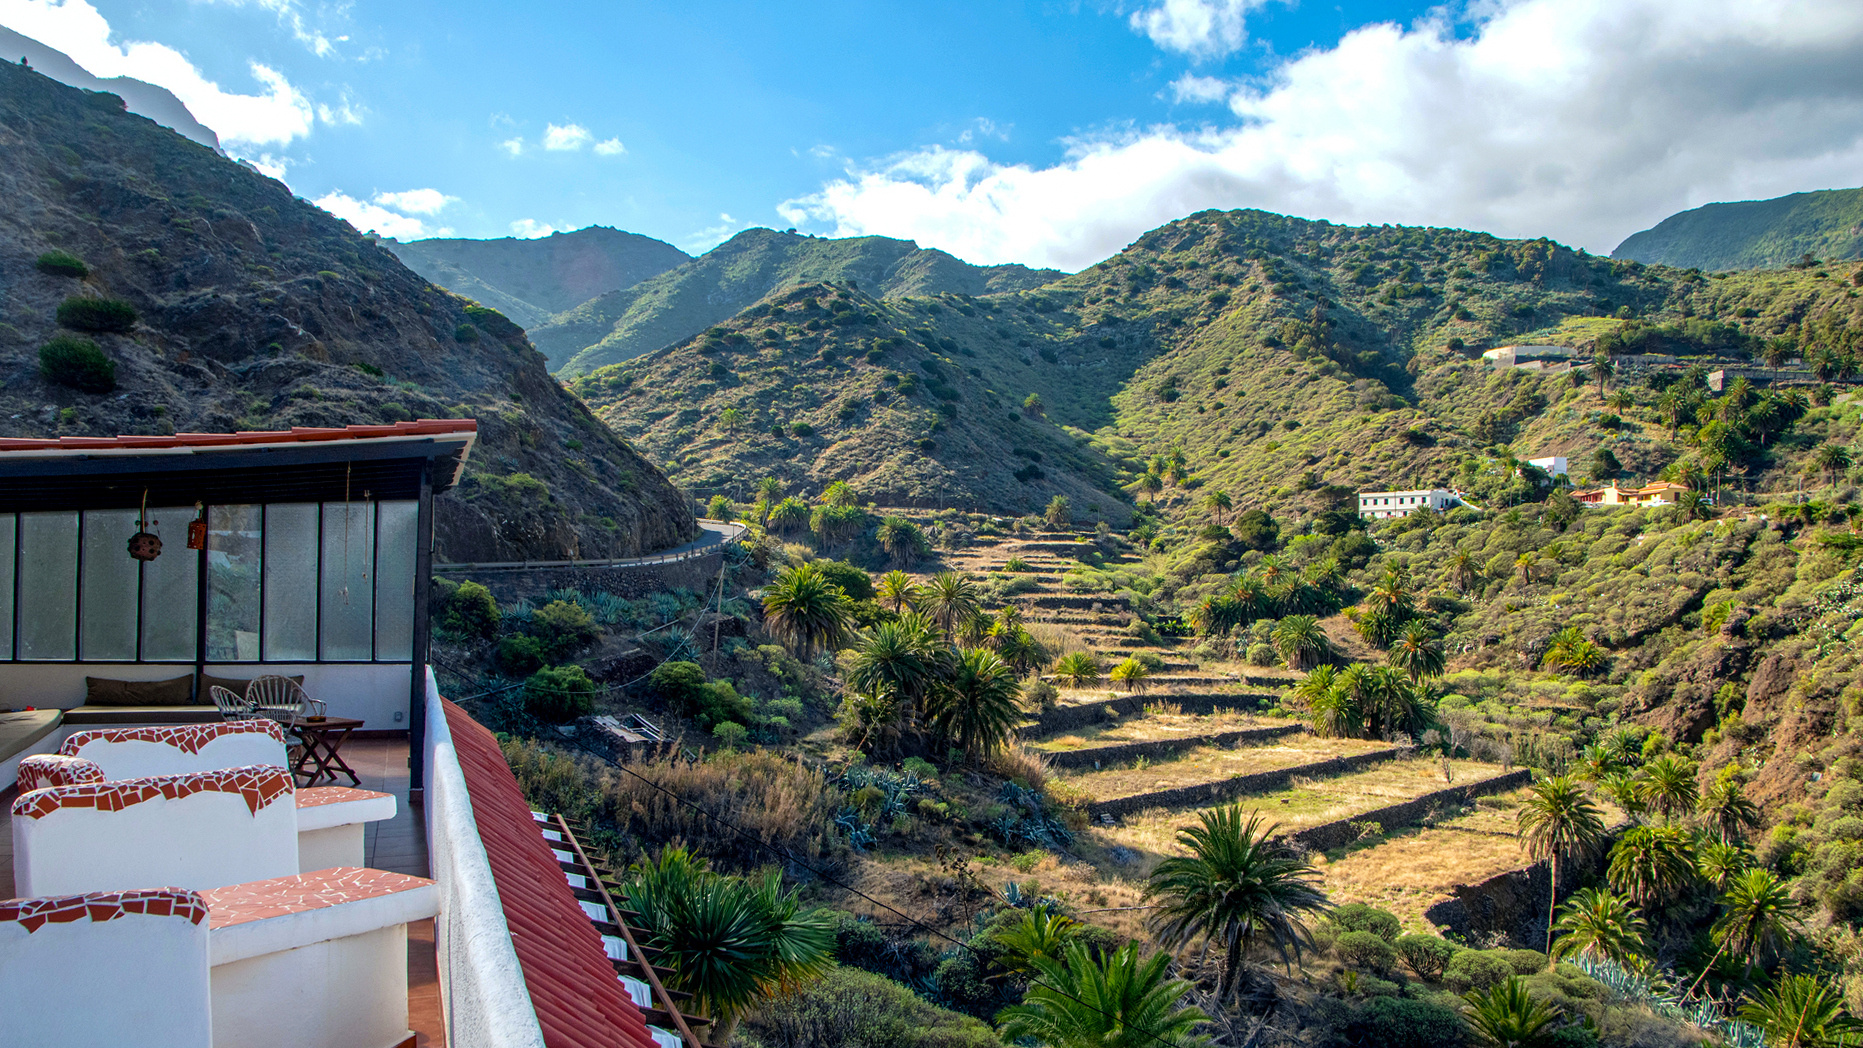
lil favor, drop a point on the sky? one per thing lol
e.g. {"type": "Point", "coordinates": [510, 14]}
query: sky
{"type": "Point", "coordinates": [1046, 133]}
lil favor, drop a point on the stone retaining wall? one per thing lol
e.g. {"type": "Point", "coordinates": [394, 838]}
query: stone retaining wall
{"type": "Point", "coordinates": [1341, 832]}
{"type": "Point", "coordinates": [1067, 718]}
{"type": "Point", "coordinates": [1203, 794]}
{"type": "Point", "coordinates": [1088, 756]}
{"type": "Point", "coordinates": [1512, 904]}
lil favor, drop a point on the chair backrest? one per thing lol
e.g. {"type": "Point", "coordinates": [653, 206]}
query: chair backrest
{"type": "Point", "coordinates": [231, 705]}
{"type": "Point", "coordinates": [279, 697]}
{"type": "Point", "coordinates": [107, 969]}
{"type": "Point", "coordinates": [199, 831]}
{"type": "Point", "coordinates": [132, 753]}
{"type": "Point", "coordinates": [42, 770]}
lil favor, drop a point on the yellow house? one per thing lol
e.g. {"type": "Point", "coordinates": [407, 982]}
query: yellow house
{"type": "Point", "coordinates": [1661, 493]}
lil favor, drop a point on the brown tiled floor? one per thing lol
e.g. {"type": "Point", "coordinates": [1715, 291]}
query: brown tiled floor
{"type": "Point", "coordinates": [398, 844]}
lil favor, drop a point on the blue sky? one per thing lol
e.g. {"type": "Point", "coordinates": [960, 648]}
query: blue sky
{"type": "Point", "coordinates": [1047, 133]}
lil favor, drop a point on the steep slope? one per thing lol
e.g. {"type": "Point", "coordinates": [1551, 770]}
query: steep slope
{"type": "Point", "coordinates": [528, 280]}
{"type": "Point", "coordinates": [144, 99]}
{"type": "Point", "coordinates": [685, 301]}
{"type": "Point", "coordinates": [1751, 234]}
{"type": "Point", "coordinates": [254, 310]}
{"type": "Point", "coordinates": [1290, 362]}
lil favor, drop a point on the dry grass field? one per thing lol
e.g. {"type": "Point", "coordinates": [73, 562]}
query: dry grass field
{"type": "Point", "coordinates": [1157, 724]}
{"type": "Point", "coordinates": [1213, 764]}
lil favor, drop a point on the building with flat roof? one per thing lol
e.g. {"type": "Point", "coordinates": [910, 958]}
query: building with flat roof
{"type": "Point", "coordinates": [1379, 505]}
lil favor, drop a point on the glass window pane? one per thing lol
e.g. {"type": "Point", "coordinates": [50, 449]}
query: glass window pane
{"type": "Point", "coordinates": [291, 582]}
{"type": "Point", "coordinates": [7, 534]}
{"type": "Point", "coordinates": [109, 587]}
{"type": "Point", "coordinates": [169, 591]}
{"type": "Point", "coordinates": [348, 568]}
{"type": "Point", "coordinates": [234, 556]}
{"type": "Point", "coordinates": [48, 585]}
{"type": "Point", "coordinates": [394, 581]}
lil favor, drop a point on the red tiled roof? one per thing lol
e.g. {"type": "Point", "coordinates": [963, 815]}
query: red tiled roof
{"type": "Point", "coordinates": [572, 985]}
{"type": "Point", "coordinates": [297, 434]}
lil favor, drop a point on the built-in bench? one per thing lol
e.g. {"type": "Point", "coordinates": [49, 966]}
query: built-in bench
{"type": "Point", "coordinates": [23, 734]}
{"type": "Point", "coordinates": [88, 716]}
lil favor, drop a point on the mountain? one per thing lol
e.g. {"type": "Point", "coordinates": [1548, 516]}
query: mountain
{"type": "Point", "coordinates": [256, 310]}
{"type": "Point", "coordinates": [528, 280]}
{"type": "Point", "coordinates": [1290, 362]}
{"type": "Point", "coordinates": [1754, 234]}
{"type": "Point", "coordinates": [143, 99]}
{"type": "Point", "coordinates": [684, 301]}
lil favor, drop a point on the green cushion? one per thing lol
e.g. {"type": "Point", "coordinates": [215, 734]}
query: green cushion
{"type": "Point", "coordinates": [175, 691]}
{"type": "Point", "coordinates": [18, 731]}
{"type": "Point", "coordinates": [111, 716]}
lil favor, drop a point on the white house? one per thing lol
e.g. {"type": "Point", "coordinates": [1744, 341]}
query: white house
{"type": "Point", "coordinates": [1554, 465]}
{"type": "Point", "coordinates": [1379, 505]}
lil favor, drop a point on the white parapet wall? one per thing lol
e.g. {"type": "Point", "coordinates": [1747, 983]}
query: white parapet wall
{"type": "Point", "coordinates": [482, 989]}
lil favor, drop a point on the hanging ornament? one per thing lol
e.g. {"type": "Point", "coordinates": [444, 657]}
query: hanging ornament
{"type": "Point", "coordinates": [197, 528]}
{"type": "Point", "coordinates": [145, 545]}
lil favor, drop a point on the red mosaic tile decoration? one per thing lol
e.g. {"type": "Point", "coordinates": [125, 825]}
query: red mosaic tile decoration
{"type": "Point", "coordinates": [278, 896]}
{"type": "Point", "coordinates": [188, 738]}
{"type": "Point", "coordinates": [259, 784]}
{"type": "Point", "coordinates": [316, 796]}
{"type": "Point", "coordinates": [96, 907]}
{"type": "Point", "coordinates": [42, 770]}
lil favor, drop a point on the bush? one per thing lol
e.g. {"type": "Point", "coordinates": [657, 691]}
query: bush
{"type": "Point", "coordinates": [78, 363]}
{"type": "Point", "coordinates": [730, 734]}
{"type": "Point", "coordinates": [1477, 970]}
{"type": "Point", "coordinates": [850, 1008]}
{"type": "Point", "coordinates": [1524, 962]}
{"type": "Point", "coordinates": [1362, 949]}
{"type": "Point", "coordinates": [520, 654]}
{"type": "Point", "coordinates": [562, 628]}
{"type": "Point", "coordinates": [1359, 917]}
{"type": "Point", "coordinates": [96, 314]}
{"type": "Point", "coordinates": [559, 693]}
{"type": "Point", "coordinates": [1425, 954]}
{"type": "Point", "coordinates": [471, 611]}
{"type": "Point", "coordinates": [465, 333]}
{"type": "Point", "coordinates": [853, 581]}
{"type": "Point", "coordinates": [62, 264]}
{"type": "Point", "coordinates": [1395, 1022]}
{"type": "Point", "coordinates": [1260, 654]}
{"type": "Point", "coordinates": [1040, 695]}
{"type": "Point", "coordinates": [680, 684]}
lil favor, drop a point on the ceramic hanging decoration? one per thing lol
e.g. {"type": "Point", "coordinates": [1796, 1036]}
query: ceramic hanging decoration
{"type": "Point", "coordinates": [144, 545]}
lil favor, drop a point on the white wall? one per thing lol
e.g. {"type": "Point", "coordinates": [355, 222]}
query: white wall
{"type": "Point", "coordinates": [375, 692]}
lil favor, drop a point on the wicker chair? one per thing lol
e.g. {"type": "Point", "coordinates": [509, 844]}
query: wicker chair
{"type": "Point", "coordinates": [232, 707]}
{"type": "Point", "coordinates": [283, 700]}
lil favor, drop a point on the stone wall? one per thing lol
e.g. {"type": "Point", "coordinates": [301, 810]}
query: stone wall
{"type": "Point", "coordinates": [1088, 757]}
{"type": "Point", "coordinates": [1204, 794]}
{"type": "Point", "coordinates": [1067, 718]}
{"type": "Point", "coordinates": [1341, 832]}
{"type": "Point", "coordinates": [1512, 904]}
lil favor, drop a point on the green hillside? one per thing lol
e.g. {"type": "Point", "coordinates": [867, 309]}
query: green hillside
{"type": "Point", "coordinates": [684, 301]}
{"type": "Point", "coordinates": [1755, 234]}
{"type": "Point", "coordinates": [1284, 362]}
{"type": "Point", "coordinates": [529, 280]}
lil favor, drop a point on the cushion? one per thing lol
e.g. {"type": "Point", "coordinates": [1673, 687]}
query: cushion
{"type": "Point", "coordinates": [96, 716]}
{"type": "Point", "coordinates": [176, 691]}
{"type": "Point", "coordinates": [237, 687]}
{"type": "Point", "coordinates": [18, 731]}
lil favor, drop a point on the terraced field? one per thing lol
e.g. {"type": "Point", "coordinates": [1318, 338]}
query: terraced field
{"type": "Point", "coordinates": [1153, 727]}
{"type": "Point", "coordinates": [1213, 764]}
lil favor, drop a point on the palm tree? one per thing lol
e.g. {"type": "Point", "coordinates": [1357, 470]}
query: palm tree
{"type": "Point", "coordinates": [1506, 1016]}
{"type": "Point", "coordinates": [1801, 1011]}
{"type": "Point", "coordinates": [730, 941]}
{"type": "Point", "coordinates": [1119, 1001]}
{"type": "Point", "coordinates": [1151, 484]}
{"type": "Point", "coordinates": [788, 515]}
{"type": "Point", "coordinates": [809, 612]}
{"type": "Point", "coordinates": [1391, 595]}
{"type": "Point", "coordinates": [1758, 921]}
{"type": "Point", "coordinates": [1319, 681]}
{"type": "Point", "coordinates": [839, 495]}
{"type": "Point", "coordinates": [897, 589]}
{"type": "Point", "coordinates": [951, 600]}
{"type": "Point", "coordinates": [1651, 864]}
{"type": "Point", "coordinates": [1667, 785]}
{"type": "Point", "coordinates": [1524, 562]}
{"type": "Point", "coordinates": [1621, 788]}
{"type": "Point", "coordinates": [1719, 863]}
{"type": "Point", "coordinates": [1389, 702]}
{"type": "Point", "coordinates": [1598, 924]}
{"type": "Point", "coordinates": [1300, 641]}
{"type": "Point", "coordinates": [1237, 884]}
{"type": "Point", "coordinates": [1080, 669]}
{"type": "Point", "coordinates": [1602, 367]}
{"type": "Point", "coordinates": [1059, 512]}
{"type": "Point", "coordinates": [1831, 459]}
{"type": "Point", "coordinates": [1466, 571]}
{"type": "Point", "coordinates": [901, 539]}
{"type": "Point", "coordinates": [1558, 822]}
{"type": "Point", "coordinates": [899, 660]}
{"type": "Point", "coordinates": [1335, 714]}
{"type": "Point", "coordinates": [979, 706]}
{"type": "Point", "coordinates": [1219, 504]}
{"type": "Point", "coordinates": [1726, 808]}
{"type": "Point", "coordinates": [1131, 673]}
{"type": "Point", "coordinates": [1040, 933]}
{"type": "Point", "coordinates": [1417, 651]}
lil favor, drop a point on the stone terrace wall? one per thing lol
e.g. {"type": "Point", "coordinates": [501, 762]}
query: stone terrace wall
{"type": "Point", "coordinates": [1206, 793]}
{"type": "Point", "coordinates": [1067, 718]}
{"type": "Point", "coordinates": [1341, 832]}
{"type": "Point", "coordinates": [1086, 757]}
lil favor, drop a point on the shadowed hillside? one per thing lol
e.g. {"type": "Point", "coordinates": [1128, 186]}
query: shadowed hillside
{"type": "Point", "coordinates": [1753, 234]}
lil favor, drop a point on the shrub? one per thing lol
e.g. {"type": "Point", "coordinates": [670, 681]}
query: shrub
{"type": "Point", "coordinates": [78, 363]}
{"type": "Point", "coordinates": [1396, 1022]}
{"type": "Point", "coordinates": [562, 628]}
{"type": "Point", "coordinates": [559, 693]}
{"type": "Point", "coordinates": [719, 508]}
{"type": "Point", "coordinates": [471, 611]}
{"type": "Point", "coordinates": [850, 1008]}
{"type": "Point", "coordinates": [730, 734]}
{"type": "Point", "coordinates": [1477, 970]}
{"type": "Point", "coordinates": [854, 581]}
{"type": "Point", "coordinates": [465, 333]}
{"type": "Point", "coordinates": [62, 264]}
{"type": "Point", "coordinates": [1261, 654]}
{"type": "Point", "coordinates": [1040, 695]}
{"type": "Point", "coordinates": [1363, 949]}
{"type": "Point", "coordinates": [96, 314]}
{"type": "Point", "coordinates": [678, 683]}
{"type": "Point", "coordinates": [1425, 954]}
{"type": "Point", "coordinates": [1360, 917]}
{"type": "Point", "coordinates": [518, 655]}
{"type": "Point", "coordinates": [1524, 962]}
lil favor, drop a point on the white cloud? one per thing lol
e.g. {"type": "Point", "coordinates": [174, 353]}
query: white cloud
{"type": "Point", "coordinates": [1193, 88]}
{"type": "Point", "coordinates": [367, 216]}
{"type": "Point", "coordinates": [566, 136]}
{"type": "Point", "coordinates": [268, 165]}
{"type": "Point", "coordinates": [610, 147]}
{"type": "Point", "coordinates": [416, 201]}
{"type": "Point", "coordinates": [1584, 120]}
{"type": "Point", "coordinates": [1199, 28]}
{"type": "Point", "coordinates": [292, 18]}
{"type": "Point", "coordinates": [710, 237]}
{"type": "Point", "coordinates": [344, 112]}
{"type": "Point", "coordinates": [531, 229]}
{"type": "Point", "coordinates": [513, 146]}
{"type": "Point", "coordinates": [276, 115]}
